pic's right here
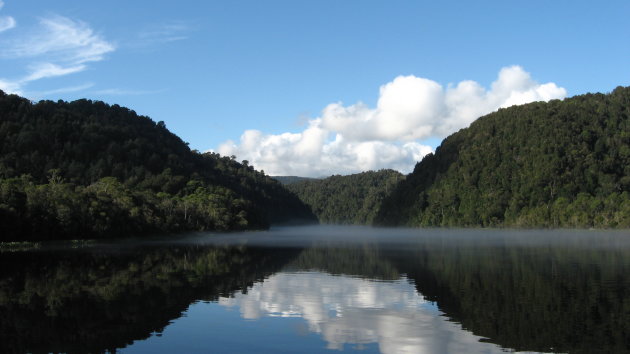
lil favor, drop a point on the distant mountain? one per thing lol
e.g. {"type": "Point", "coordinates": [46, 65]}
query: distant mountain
{"type": "Point", "coordinates": [556, 164]}
{"type": "Point", "coordinates": [86, 169]}
{"type": "Point", "coordinates": [352, 199]}
{"type": "Point", "coordinates": [291, 179]}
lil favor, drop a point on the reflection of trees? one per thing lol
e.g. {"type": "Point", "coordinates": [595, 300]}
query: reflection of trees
{"type": "Point", "coordinates": [364, 261]}
{"type": "Point", "coordinates": [539, 295]}
{"type": "Point", "coordinates": [91, 302]}
{"type": "Point", "coordinates": [573, 298]}
{"type": "Point", "coordinates": [567, 296]}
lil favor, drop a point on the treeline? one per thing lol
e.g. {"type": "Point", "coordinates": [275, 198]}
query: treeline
{"type": "Point", "coordinates": [556, 164]}
{"type": "Point", "coordinates": [352, 199]}
{"type": "Point", "coordinates": [291, 179]}
{"type": "Point", "coordinates": [108, 208]}
{"type": "Point", "coordinates": [87, 169]}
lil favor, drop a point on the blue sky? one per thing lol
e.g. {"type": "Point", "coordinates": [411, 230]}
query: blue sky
{"type": "Point", "coordinates": [310, 81]}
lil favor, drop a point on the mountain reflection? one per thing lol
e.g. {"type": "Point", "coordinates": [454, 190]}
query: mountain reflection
{"type": "Point", "coordinates": [350, 310]}
{"type": "Point", "coordinates": [104, 298]}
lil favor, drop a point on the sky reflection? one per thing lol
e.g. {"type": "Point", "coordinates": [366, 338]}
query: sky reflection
{"type": "Point", "coordinates": [348, 310]}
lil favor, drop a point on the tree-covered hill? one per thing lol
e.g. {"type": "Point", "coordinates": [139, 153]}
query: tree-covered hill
{"type": "Point", "coordinates": [352, 199]}
{"type": "Point", "coordinates": [291, 179]}
{"type": "Point", "coordinates": [87, 169]}
{"type": "Point", "coordinates": [556, 164]}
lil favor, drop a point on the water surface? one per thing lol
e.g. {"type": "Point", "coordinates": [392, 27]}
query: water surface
{"type": "Point", "coordinates": [319, 289]}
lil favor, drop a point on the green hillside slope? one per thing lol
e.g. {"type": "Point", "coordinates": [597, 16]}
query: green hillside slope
{"type": "Point", "coordinates": [352, 199]}
{"type": "Point", "coordinates": [291, 179]}
{"type": "Point", "coordinates": [86, 169]}
{"type": "Point", "coordinates": [556, 164]}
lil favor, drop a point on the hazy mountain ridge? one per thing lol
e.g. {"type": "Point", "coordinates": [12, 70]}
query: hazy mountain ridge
{"type": "Point", "coordinates": [556, 164]}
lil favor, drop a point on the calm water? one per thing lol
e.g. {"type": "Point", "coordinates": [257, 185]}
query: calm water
{"type": "Point", "coordinates": [318, 289]}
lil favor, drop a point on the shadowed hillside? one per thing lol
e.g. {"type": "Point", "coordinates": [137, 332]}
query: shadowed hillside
{"type": "Point", "coordinates": [352, 199]}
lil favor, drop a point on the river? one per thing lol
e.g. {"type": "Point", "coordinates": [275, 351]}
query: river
{"type": "Point", "coordinates": [321, 288]}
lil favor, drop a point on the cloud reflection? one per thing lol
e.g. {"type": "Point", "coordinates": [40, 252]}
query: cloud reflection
{"type": "Point", "coordinates": [347, 310]}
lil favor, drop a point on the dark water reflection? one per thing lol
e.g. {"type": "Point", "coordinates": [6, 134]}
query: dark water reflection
{"type": "Point", "coordinates": [318, 288]}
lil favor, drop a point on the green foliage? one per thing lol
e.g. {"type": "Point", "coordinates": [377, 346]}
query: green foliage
{"type": "Point", "coordinates": [556, 164]}
{"type": "Point", "coordinates": [292, 179]}
{"type": "Point", "coordinates": [86, 169]}
{"type": "Point", "coordinates": [352, 199]}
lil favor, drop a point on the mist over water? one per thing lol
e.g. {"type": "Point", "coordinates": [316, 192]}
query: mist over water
{"type": "Point", "coordinates": [319, 288]}
{"type": "Point", "coordinates": [350, 236]}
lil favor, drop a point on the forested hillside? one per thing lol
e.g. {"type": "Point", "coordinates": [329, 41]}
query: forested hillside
{"type": "Point", "coordinates": [86, 169]}
{"type": "Point", "coordinates": [291, 179]}
{"type": "Point", "coordinates": [556, 164]}
{"type": "Point", "coordinates": [352, 199]}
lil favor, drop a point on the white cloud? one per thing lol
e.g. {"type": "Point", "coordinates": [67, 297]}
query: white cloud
{"type": "Point", "coordinates": [309, 153]}
{"type": "Point", "coordinates": [46, 70]}
{"type": "Point", "coordinates": [350, 139]}
{"type": "Point", "coordinates": [59, 46]}
{"type": "Point", "coordinates": [36, 95]}
{"type": "Point", "coordinates": [411, 108]}
{"type": "Point", "coordinates": [63, 39]}
{"type": "Point", "coordinates": [10, 87]}
{"type": "Point", "coordinates": [163, 33]}
{"type": "Point", "coordinates": [6, 22]}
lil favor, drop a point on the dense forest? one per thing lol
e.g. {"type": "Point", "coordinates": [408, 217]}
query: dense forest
{"type": "Point", "coordinates": [352, 199]}
{"type": "Point", "coordinates": [556, 164]}
{"type": "Point", "coordinates": [292, 179]}
{"type": "Point", "coordinates": [87, 169]}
